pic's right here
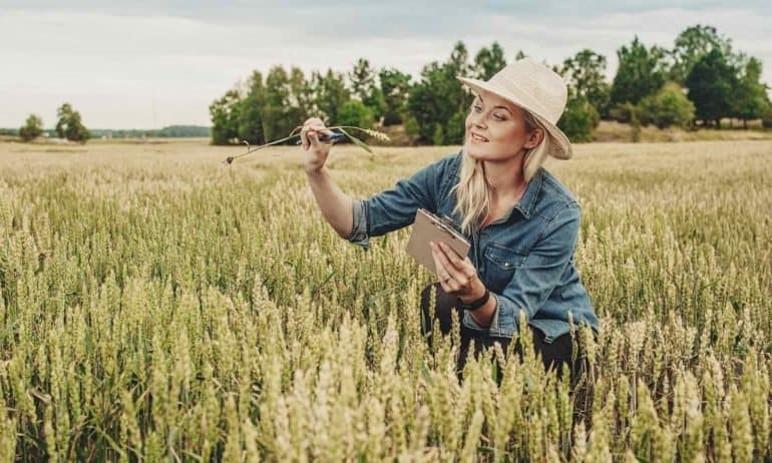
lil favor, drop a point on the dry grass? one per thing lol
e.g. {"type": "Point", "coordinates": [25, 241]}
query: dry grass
{"type": "Point", "coordinates": [159, 305]}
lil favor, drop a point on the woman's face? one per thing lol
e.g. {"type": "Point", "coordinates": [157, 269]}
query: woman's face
{"type": "Point", "coordinates": [502, 126]}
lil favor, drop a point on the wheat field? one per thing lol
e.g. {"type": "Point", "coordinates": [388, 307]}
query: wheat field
{"type": "Point", "coordinates": [158, 305]}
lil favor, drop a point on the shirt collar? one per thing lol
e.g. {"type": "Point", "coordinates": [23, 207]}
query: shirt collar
{"type": "Point", "coordinates": [528, 200]}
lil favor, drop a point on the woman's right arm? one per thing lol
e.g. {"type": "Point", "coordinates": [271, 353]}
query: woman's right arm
{"type": "Point", "coordinates": [336, 206]}
{"type": "Point", "coordinates": [359, 219]}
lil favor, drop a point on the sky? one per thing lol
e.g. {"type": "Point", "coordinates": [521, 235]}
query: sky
{"type": "Point", "coordinates": [148, 64]}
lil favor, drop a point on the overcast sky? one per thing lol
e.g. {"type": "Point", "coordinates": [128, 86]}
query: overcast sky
{"type": "Point", "coordinates": [148, 64]}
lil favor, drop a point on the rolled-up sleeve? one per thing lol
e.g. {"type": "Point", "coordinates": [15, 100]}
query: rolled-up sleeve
{"type": "Point", "coordinates": [396, 207]}
{"type": "Point", "coordinates": [541, 272]}
{"type": "Point", "coordinates": [358, 234]}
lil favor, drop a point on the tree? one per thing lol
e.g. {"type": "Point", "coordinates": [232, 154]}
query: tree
{"type": "Point", "coordinates": [489, 61]}
{"type": "Point", "coordinates": [354, 112]}
{"type": "Point", "coordinates": [669, 106]}
{"type": "Point", "coordinates": [712, 82]}
{"type": "Point", "coordinates": [301, 94]}
{"type": "Point", "coordinates": [751, 100]}
{"type": "Point", "coordinates": [585, 75]}
{"type": "Point", "coordinates": [440, 99]}
{"type": "Point", "coordinates": [225, 117]}
{"type": "Point", "coordinates": [365, 88]}
{"type": "Point", "coordinates": [691, 45]}
{"type": "Point", "coordinates": [69, 124]}
{"type": "Point", "coordinates": [280, 111]}
{"type": "Point", "coordinates": [579, 119]}
{"type": "Point", "coordinates": [641, 72]}
{"type": "Point", "coordinates": [32, 129]}
{"type": "Point", "coordinates": [331, 94]}
{"type": "Point", "coordinates": [249, 113]}
{"type": "Point", "coordinates": [395, 88]}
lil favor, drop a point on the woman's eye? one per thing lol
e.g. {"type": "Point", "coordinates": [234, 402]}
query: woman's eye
{"type": "Point", "coordinates": [498, 117]}
{"type": "Point", "coordinates": [478, 108]}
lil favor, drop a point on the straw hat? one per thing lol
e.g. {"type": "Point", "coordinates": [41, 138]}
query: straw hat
{"type": "Point", "coordinates": [537, 89]}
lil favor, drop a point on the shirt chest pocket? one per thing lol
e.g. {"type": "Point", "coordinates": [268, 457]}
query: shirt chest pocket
{"type": "Point", "coordinates": [500, 265]}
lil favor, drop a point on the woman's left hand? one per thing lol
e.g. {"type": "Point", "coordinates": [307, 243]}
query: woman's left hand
{"type": "Point", "coordinates": [457, 276]}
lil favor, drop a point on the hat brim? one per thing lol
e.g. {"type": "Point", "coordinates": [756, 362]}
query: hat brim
{"type": "Point", "coordinates": [559, 144]}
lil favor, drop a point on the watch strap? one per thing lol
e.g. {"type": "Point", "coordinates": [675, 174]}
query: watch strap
{"type": "Point", "coordinates": [476, 304]}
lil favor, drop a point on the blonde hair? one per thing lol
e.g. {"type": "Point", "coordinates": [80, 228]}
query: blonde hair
{"type": "Point", "coordinates": [472, 192]}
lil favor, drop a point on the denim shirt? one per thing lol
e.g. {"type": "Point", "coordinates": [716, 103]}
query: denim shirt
{"type": "Point", "coordinates": [525, 258]}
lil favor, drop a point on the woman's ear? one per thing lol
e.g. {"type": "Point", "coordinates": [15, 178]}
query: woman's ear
{"type": "Point", "coordinates": [534, 138]}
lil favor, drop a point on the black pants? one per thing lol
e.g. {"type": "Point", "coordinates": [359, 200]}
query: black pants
{"type": "Point", "coordinates": [553, 354]}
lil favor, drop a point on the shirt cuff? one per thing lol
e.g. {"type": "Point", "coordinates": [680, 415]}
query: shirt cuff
{"type": "Point", "coordinates": [503, 322]}
{"type": "Point", "coordinates": [358, 234]}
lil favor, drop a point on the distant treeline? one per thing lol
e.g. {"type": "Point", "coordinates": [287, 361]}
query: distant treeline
{"type": "Point", "coordinates": [696, 83]}
{"type": "Point", "coordinates": [172, 131]}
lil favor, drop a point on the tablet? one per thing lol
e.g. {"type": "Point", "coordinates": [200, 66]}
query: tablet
{"type": "Point", "coordinates": [430, 227]}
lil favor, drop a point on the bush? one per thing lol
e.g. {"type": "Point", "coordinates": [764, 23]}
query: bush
{"type": "Point", "coordinates": [579, 119]}
{"type": "Point", "coordinates": [439, 135]}
{"type": "Point", "coordinates": [412, 129]}
{"type": "Point", "coordinates": [669, 106]}
{"type": "Point", "coordinates": [32, 129]}
{"type": "Point", "coordinates": [454, 131]}
{"type": "Point", "coordinates": [766, 121]}
{"type": "Point", "coordinates": [69, 125]}
{"type": "Point", "coordinates": [354, 112]}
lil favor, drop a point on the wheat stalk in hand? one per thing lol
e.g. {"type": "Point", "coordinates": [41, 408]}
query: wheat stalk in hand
{"type": "Point", "coordinates": [373, 133]}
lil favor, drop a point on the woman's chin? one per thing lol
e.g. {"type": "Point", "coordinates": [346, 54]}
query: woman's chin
{"type": "Point", "coordinates": [476, 153]}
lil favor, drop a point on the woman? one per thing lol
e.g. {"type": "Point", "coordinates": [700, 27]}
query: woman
{"type": "Point", "coordinates": [521, 221]}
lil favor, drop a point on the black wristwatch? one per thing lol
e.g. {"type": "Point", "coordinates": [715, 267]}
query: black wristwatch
{"type": "Point", "coordinates": [474, 305]}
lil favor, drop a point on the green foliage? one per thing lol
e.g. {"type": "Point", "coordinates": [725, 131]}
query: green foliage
{"type": "Point", "coordinates": [439, 96]}
{"type": "Point", "coordinates": [395, 88]}
{"type": "Point", "coordinates": [331, 95]}
{"type": "Point", "coordinates": [225, 118]}
{"type": "Point", "coordinates": [69, 124]}
{"type": "Point", "coordinates": [712, 83]}
{"type": "Point", "coordinates": [585, 76]}
{"type": "Point", "coordinates": [438, 138]}
{"type": "Point", "coordinates": [32, 128]}
{"type": "Point", "coordinates": [489, 61]}
{"type": "Point", "coordinates": [691, 45]}
{"type": "Point", "coordinates": [249, 113]}
{"type": "Point", "coordinates": [751, 100]}
{"type": "Point", "coordinates": [262, 111]}
{"type": "Point", "coordinates": [669, 106]}
{"type": "Point", "coordinates": [279, 113]}
{"type": "Point", "coordinates": [766, 120]}
{"type": "Point", "coordinates": [412, 129]}
{"type": "Point", "coordinates": [579, 119]}
{"type": "Point", "coordinates": [355, 113]}
{"type": "Point", "coordinates": [641, 72]}
{"type": "Point", "coordinates": [365, 87]}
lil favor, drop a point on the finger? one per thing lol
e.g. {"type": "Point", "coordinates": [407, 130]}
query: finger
{"type": "Point", "coordinates": [465, 266]}
{"type": "Point", "coordinates": [457, 274]}
{"type": "Point", "coordinates": [442, 274]}
{"type": "Point", "coordinates": [304, 138]}
{"type": "Point", "coordinates": [314, 137]}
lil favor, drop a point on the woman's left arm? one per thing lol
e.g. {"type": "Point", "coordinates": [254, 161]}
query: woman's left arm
{"type": "Point", "coordinates": [532, 283]}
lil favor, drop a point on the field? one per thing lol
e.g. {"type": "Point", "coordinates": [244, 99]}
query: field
{"type": "Point", "coordinates": [158, 305]}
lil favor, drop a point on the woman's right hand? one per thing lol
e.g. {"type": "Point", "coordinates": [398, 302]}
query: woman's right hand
{"type": "Point", "coordinates": [316, 151]}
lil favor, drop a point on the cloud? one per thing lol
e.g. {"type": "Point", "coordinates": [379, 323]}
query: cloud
{"type": "Point", "coordinates": [149, 64]}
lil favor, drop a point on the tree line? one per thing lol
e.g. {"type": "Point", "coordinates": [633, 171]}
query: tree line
{"type": "Point", "coordinates": [695, 83]}
{"type": "Point", "coordinates": [68, 125]}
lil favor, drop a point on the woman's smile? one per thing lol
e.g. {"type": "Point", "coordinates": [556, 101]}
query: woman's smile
{"type": "Point", "coordinates": [478, 138]}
